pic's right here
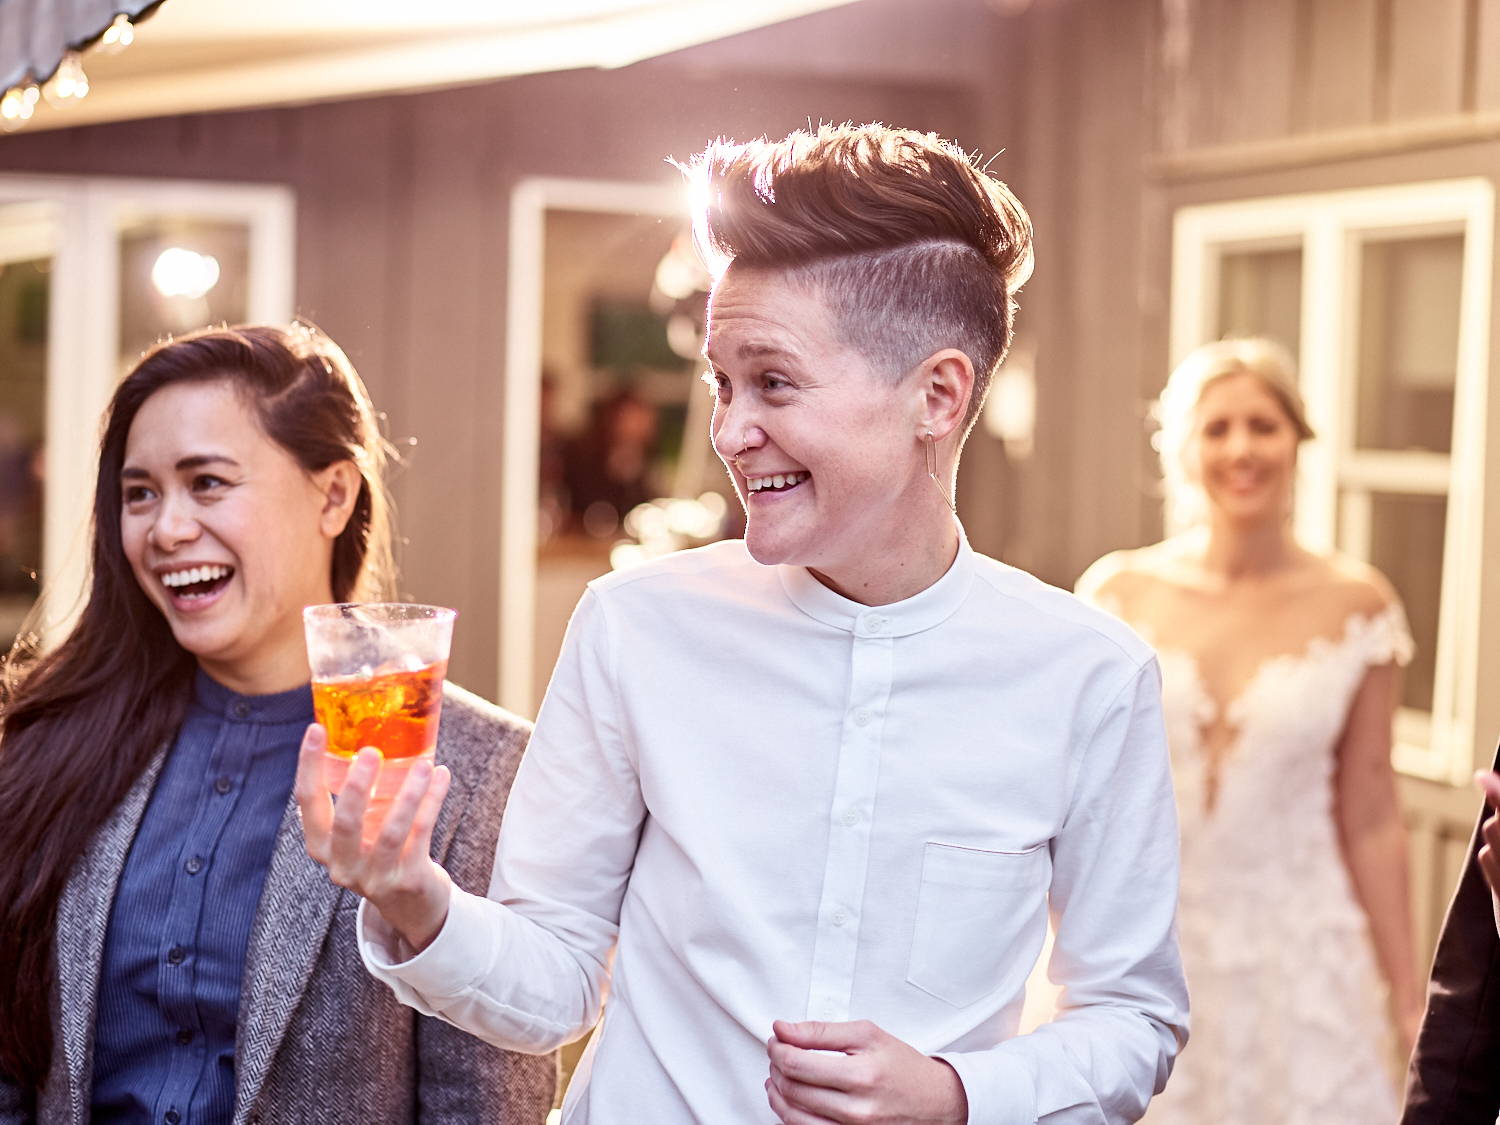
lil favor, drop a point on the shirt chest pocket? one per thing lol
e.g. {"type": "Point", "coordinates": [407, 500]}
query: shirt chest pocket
{"type": "Point", "coordinates": [974, 908]}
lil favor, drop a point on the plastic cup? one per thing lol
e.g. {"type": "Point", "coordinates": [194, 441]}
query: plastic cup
{"type": "Point", "coordinates": [377, 680]}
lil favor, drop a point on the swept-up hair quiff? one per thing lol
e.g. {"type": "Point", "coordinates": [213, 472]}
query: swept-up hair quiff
{"type": "Point", "coordinates": [913, 248]}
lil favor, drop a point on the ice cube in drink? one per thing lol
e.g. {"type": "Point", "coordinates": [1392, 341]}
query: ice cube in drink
{"type": "Point", "coordinates": [393, 710]}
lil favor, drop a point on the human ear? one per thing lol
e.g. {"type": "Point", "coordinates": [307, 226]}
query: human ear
{"type": "Point", "coordinates": [339, 483]}
{"type": "Point", "coordinates": [946, 383]}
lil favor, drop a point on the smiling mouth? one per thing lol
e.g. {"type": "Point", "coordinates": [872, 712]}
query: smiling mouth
{"type": "Point", "coordinates": [196, 583]}
{"type": "Point", "coordinates": [777, 482]}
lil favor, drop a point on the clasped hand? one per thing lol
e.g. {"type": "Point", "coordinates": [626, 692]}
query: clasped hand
{"type": "Point", "coordinates": [857, 1072]}
{"type": "Point", "coordinates": [393, 870]}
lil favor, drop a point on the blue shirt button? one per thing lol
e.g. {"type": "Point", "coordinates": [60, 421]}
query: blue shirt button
{"type": "Point", "coordinates": [241, 710]}
{"type": "Point", "coordinates": [194, 865]}
{"type": "Point", "coordinates": [176, 955]}
{"type": "Point", "coordinates": [223, 785]}
{"type": "Point", "coordinates": [184, 1037]}
{"type": "Point", "coordinates": [171, 1117]}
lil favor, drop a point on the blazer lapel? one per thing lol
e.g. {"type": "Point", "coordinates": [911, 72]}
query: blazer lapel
{"type": "Point", "coordinates": [82, 919]}
{"type": "Point", "coordinates": [291, 924]}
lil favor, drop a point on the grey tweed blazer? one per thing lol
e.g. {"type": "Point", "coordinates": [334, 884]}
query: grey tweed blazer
{"type": "Point", "coordinates": [319, 1040]}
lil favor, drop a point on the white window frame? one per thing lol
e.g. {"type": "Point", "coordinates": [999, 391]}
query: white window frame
{"type": "Point", "coordinates": [83, 328]}
{"type": "Point", "coordinates": [1329, 227]}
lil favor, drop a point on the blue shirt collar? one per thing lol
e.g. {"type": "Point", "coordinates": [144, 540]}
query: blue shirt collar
{"type": "Point", "coordinates": [294, 706]}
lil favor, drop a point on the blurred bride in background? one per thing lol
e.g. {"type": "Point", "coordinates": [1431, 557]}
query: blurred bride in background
{"type": "Point", "coordinates": [1280, 683]}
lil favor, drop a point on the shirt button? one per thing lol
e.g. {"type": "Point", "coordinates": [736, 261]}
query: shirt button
{"type": "Point", "coordinates": [850, 818]}
{"type": "Point", "coordinates": [184, 1037]}
{"type": "Point", "coordinates": [171, 1117]}
{"type": "Point", "coordinates": [222, 785]}
{"type": "Point", "coordinates": [839, 917]}
{"type": "Point", "coordinates": [875, 623]}
{"type": "Point", "coordinates": [862, 718]}
{"type": "Point", "coordinates": [176, 955]}
{"type": "Point", "coordinates": [241, 710]}
{"type": "Point", "coordinates": [194, 865]}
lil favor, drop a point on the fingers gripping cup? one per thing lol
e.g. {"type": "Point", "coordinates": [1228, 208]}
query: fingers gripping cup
{"type": "Point", "coordinates": [377, 680]}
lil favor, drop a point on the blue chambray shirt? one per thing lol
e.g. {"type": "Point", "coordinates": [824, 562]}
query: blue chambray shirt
{"type": "Point", "coordinates": [174, 954]}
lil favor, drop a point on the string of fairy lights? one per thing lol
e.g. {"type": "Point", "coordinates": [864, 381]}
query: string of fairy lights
{"type": "Point", "coordinates": [67, 85]}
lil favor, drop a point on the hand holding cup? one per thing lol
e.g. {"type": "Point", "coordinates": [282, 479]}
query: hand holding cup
{"type": "Point", "coordinates": [393, 868]}
{"type": "Point", "coordinates": [377, 672]}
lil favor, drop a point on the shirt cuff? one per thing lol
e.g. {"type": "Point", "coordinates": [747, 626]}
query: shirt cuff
{"type": "Point", "coordinates": [998, 1085]}
{"type": "Point", "coordinates": [452, 964]}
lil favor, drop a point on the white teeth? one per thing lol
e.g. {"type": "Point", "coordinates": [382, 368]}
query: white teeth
{"type": "Point", "coordinates": [779, 480]}
{"type": "Point", "coordinates": [194, 574]}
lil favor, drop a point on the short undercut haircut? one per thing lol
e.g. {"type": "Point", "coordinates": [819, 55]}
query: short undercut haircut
{"type": "Point", "coordinates": [913, 248]}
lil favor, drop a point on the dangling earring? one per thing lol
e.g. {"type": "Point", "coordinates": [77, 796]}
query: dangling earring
{"type": "Point", "coordinates": [932, 472]}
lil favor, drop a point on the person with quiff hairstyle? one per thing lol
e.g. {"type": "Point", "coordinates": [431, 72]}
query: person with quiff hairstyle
{"type": "Point", "coordinates": [803, 801]}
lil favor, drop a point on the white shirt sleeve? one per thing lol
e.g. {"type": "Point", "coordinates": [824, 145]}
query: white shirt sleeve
{"type": "Point", "coordinates": [1122, 1013]}
{"type": "Point", "coordinates": [527, 967]}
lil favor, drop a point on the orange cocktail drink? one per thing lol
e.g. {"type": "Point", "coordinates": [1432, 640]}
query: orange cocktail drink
{"type": "Point", "coordinates": [377, 681]}
{"type": "Point", "coordinates": [395, 711]}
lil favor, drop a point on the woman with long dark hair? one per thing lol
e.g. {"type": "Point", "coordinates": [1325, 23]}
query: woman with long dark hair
{"type": "Point", "coordinates": [167, 951]}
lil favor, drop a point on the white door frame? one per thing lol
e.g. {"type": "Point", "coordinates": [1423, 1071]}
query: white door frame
{"type": "Point", "coordinates": [520, 441]}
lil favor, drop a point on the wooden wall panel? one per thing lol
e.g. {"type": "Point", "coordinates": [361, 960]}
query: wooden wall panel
{"type": "Point", "coordinates": [1088, 68]}
{"type": "Point", "coordinates": [1427, 58]}
{"type": "Point", "coordinates": [1486, 54]}
{"type": "Point", "coordinates": [1209, 88]}
{"type": "Point", "coordinates": [347, 167]}
{"type": "Point", "coordinates": [1102, 304]}
{"type": "Point", "coordinates": [453, 381]}
{"type": "Point", "coordinates": [1040, 171]}
{"type": "Point", "coordinates": [1263, 61]}
{"type": "Point", "coordinates": [1227, 73]}
{"type": "Point", "coordinates": [1339, 57]}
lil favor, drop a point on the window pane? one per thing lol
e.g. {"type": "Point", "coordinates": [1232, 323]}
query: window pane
{"type": "Point", "coordinates": [1260, 294]}
{"type": "Point", "coordinates": [1406, 545]}
{"type": "Point", "coordinates": [27, 233]}
{"type": "Point", "coordinates": [177, 274]}
{"type": "Point", "coordinates": [1408, 342]}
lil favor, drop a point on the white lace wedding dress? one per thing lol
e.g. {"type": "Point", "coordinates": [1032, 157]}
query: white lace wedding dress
{"type": "Point", "coordinates": [1289, 1023]}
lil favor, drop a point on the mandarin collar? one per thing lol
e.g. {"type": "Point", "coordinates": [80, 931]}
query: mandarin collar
{"type": "Point", "coordinates": [915, 614]}
{"type": "Point", "coordinates": [279, 707]}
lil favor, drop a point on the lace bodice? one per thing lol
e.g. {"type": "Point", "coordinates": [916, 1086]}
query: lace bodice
{"type": "Point", "coordinates": [1283, 724]}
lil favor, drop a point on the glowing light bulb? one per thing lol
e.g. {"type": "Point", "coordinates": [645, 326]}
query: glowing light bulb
{"type": "Point", "coordinates": [184, 273]}
{"type": "Point", "coordinates": [70, 84]}
{"type": "Point", "coordinates": [117, 36]}
{"type": "Point", "coordinates": [15, 109]}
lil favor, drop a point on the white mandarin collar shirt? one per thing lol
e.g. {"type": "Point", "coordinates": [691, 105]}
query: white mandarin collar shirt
{"type": "Point", "coordinates": [925, 610]}
{"type": "Point", "coordinates": [748, 798]}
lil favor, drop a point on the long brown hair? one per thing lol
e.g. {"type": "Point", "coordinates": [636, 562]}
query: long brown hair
{"type": "Point", "coordinates": [80, 723]}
